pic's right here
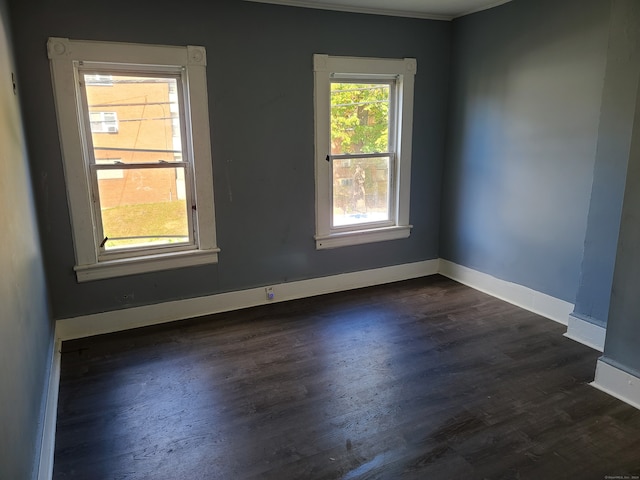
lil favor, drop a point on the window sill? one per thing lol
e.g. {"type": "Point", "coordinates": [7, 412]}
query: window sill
{"type": "Point", "coordinates": [358, 237]}
{"type": "Point", "coordinates": [148, 263]}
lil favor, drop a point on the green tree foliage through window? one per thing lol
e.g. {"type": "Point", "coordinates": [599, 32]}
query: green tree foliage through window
{"type": "Point", "coordinates": [360, 125]}
{"type": "Point", "coordinates": [359, 117]}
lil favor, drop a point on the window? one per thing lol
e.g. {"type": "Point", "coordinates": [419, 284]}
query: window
{"type": "Point", "coordinates": [141, 197]}
{"type": "Point", "coordinates": [363, 121]}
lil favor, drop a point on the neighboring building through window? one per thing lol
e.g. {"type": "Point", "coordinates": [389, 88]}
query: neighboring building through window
{"type": "Point", "coordinates": [363, 110]}
{"type": "Point", "coordinates": [141, 198]}
{"type": "Point", "coordinates": [103, 122]}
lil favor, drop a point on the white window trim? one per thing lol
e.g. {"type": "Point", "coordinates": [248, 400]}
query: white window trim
{"type": "Point", "coordinates": [64, 55]}
{"type": "Point", "coordinates": [404, 71]}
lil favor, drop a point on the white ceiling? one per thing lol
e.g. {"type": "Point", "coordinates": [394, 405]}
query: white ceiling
{"type": "Point", "coordinates": [434, 9]}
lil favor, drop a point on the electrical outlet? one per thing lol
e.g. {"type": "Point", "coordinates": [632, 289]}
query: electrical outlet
{"type": "Point", "coordinates": [271, 294]}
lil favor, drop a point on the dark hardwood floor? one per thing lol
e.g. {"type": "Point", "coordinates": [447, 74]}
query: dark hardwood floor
{"type": "Point", "coordinates": [422, 379]}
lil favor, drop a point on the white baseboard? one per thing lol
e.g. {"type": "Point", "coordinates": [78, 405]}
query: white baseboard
{"type": "Point", "coordinates": [617, 383]}
{"type": "Point", "coordinates": [609, 379]}
{"type": "Point", "coordinates": [118, 320]}
{"type": "Point", "coordinates": [47, 448]}
{"type": "Point", "coordinates": [586, 333]}
{"type": "Point", "coordinates": [523, 297]}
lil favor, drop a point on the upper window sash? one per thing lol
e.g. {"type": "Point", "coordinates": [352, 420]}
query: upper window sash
{"type": "Point", "coordinates": [391, 82]}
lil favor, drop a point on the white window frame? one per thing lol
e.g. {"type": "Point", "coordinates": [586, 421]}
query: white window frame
{"type": "Point", "coordinates": [402, 71]}
{"type": "Point", "coordinates": [65, 57]}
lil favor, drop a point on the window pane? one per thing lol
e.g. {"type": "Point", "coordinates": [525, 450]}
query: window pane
{"type": "Point", "coordinates": [359, 118]}
{"type": "Point", "coordinates": [135, 119]}
{"type": "Point", "coordinates": [360, 191]}
{"type": "Point", "coordinates": [143, 206]}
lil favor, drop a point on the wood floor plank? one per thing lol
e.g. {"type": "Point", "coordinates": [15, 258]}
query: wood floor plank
{"type": "Point", "coordinates": [418, 379]}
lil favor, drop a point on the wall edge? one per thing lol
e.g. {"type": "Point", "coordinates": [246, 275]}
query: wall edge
{"type": "Point", "coordinates": [519, 295]}
{"type": "Point", "coordinates": [587, 333]}
{"type": "Point", "coordinates": [617, 383]}
{"type": "Point", "coordinates": [47, 447]}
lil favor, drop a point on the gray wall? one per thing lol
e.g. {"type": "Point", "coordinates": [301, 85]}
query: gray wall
{"type": "Point", "coordinates": [26, 333]}
{"type": "Point", "coordinates": [525, 105]}
{"type": "Point", "coordinates": [261, 107]}
{"type": "Point", "coordinates": [623, 328]}
{"type": "Point", "coordinates": [614, 142]}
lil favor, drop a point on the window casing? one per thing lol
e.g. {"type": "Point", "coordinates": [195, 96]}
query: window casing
{"type": "Point", "coordinates": [363, 129]}
{"type": "Point", "coordinates": [115, 149]}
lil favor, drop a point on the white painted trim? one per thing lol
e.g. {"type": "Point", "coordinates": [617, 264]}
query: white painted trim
{"type": "Point", "coordinates": [359, 237]}
{"type": "Point", "coordinates": [354, 9]}
{"type": "Point", "coordinates": [148, 263]}
{"type": "Point", "coordinates": [47, 447]}
{"type": "Point", "coordinates": [357, 66]}
{"type": "Point", "coordinates": [586, 333]}
{"type": "Point", "coordinates": [617, 383]}
{"type": "Point", "coordinates": [523, 297]}
{"type": "Point", "coordinates": [114, 321]}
